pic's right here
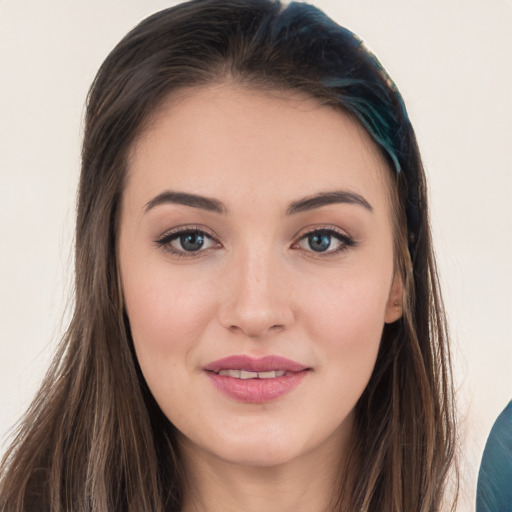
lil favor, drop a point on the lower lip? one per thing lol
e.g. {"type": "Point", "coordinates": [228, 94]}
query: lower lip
{"type": "Point", "coordinates": [257, 391]}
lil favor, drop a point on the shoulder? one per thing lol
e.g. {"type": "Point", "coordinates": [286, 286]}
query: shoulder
{"type": "Point", "coordinates": [494, 491]}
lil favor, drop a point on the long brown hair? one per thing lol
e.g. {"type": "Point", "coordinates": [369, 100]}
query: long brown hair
{"type": "Point", "coordinates": [94, 439]}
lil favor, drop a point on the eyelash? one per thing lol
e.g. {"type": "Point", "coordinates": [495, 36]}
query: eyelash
{"type": "Point", "coordinates": [165, 241]}
{"type": "Point", "coordinates": [345, 240]}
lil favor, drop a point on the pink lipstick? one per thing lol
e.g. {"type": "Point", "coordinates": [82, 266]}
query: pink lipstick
{"type": "Point", "coordinates": [255, 380]}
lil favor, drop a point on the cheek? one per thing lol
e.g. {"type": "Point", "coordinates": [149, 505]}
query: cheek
{"type": "Point", "coordinates": [346, 315]}
{"type": "Point", "coordinates": [167, 312]}
{"type": "Point", "coordinates": [168, 315]}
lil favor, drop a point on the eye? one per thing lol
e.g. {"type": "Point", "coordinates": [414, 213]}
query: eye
{"type": "Point", "coordinates": [185, 242]}
{"type": "Point", "coordinates": [324, 241]}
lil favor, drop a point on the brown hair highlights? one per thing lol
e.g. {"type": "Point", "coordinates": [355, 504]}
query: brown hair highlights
{"type": "Point", "coordinates": [94, 438]}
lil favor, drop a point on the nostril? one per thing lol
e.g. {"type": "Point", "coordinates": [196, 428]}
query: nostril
{"type": "Point", "coordinates": [254, 332]}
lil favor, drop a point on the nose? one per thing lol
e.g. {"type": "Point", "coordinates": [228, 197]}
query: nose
{"type": "Point", "coordinates": [258, 300]}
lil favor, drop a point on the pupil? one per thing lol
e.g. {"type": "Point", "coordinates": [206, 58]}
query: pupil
{"type": "Point", "coordinates": [319, 243]}
{"type": "Point", "coordinates": [192, 241]}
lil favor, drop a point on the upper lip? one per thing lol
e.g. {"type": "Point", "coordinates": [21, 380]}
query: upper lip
{"type": "Point", "coordinates": [261, 364]}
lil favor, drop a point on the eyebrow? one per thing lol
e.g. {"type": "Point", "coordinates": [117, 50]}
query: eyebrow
{"type": "Point", "coordinates": [328, 198]}
{"type": "Point", "coordinates": [193, 200]}
{"type": "Point", "coordinates": [302, 205]}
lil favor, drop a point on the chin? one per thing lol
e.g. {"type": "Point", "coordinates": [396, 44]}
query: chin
{"type": "Point", "coordinates": [259, 445]}
{"type": "Point", "coordinates": [256, 454]}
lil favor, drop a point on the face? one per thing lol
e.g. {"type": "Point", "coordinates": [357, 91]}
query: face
{"type": "Point", "coordinates": [256, 258]}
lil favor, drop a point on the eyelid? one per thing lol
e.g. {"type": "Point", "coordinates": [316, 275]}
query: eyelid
{"type": "Point", "coordinates": [186, 228]}
{"type": "Point", "coordinates": [315, 228]}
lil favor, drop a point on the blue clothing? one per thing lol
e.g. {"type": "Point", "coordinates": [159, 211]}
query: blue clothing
{"type": "Point", "coordinates": [494, 491]}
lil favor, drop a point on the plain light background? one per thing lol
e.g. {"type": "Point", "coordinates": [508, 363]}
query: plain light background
{"type": "Point", "coordinates": [452, 60]}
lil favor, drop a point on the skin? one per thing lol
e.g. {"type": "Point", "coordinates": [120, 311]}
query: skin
{"type": "Point", "coordinates": [256, 287]}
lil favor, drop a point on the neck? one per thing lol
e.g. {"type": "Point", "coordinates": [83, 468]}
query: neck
{"type": "Point", "coordinates": [309, 482]}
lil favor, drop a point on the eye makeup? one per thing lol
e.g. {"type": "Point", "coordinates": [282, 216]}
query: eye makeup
{"type": "Point", "coordinates": [324, 241]}
{"type": "Point", "coordinates": [187, 241]}
{"type": "Point", "coordinates": [193, 241]}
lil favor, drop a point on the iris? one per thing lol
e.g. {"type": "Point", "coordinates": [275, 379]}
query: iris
{"type": "Point", "coordinates": [192, 241]}
{"type": "Point", "coordinates": [319, 242]}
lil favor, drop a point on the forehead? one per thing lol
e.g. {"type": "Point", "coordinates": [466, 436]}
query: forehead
{"type": "Point", "coordinates": [227, 140]}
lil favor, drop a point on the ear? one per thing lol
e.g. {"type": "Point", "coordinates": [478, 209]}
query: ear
{"type": "Point", "coordinates": [394, 305]}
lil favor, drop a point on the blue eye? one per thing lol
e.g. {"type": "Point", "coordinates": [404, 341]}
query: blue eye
{"type": "Point", "coordinates": [326, 241]}
{"type": "Point", "coordinates": [186, 241]}
{"type": "Point", "coordinates": [191, 241]}
{"type": "Point", "coordinates": [319, 242]}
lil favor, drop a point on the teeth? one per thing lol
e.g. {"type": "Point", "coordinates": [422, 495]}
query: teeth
{"type": "Point", "coordinates": [230, 373]}
{"type": "Point", "coordinates": [248, 375]}
{"type": "Point", "coordinates": [244, 374]}
{"type": "Point", "coordinates": [271, 375]}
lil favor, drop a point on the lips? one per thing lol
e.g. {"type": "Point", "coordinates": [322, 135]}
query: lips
{"type": "Point", "coordinates": [250, 364]}
{"type": "Point", "coordinates": [255, 380]}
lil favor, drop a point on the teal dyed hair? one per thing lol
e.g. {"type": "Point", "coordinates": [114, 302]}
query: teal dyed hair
{"type": "Point", "coordinates": [366, 91]}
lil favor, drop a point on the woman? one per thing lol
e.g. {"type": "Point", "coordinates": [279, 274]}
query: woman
{"type": "Point", "coordinates": [258, 323]}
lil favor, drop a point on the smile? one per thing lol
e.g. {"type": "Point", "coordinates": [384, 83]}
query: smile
{"type": "Point", "coordinates": [255, 380]}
